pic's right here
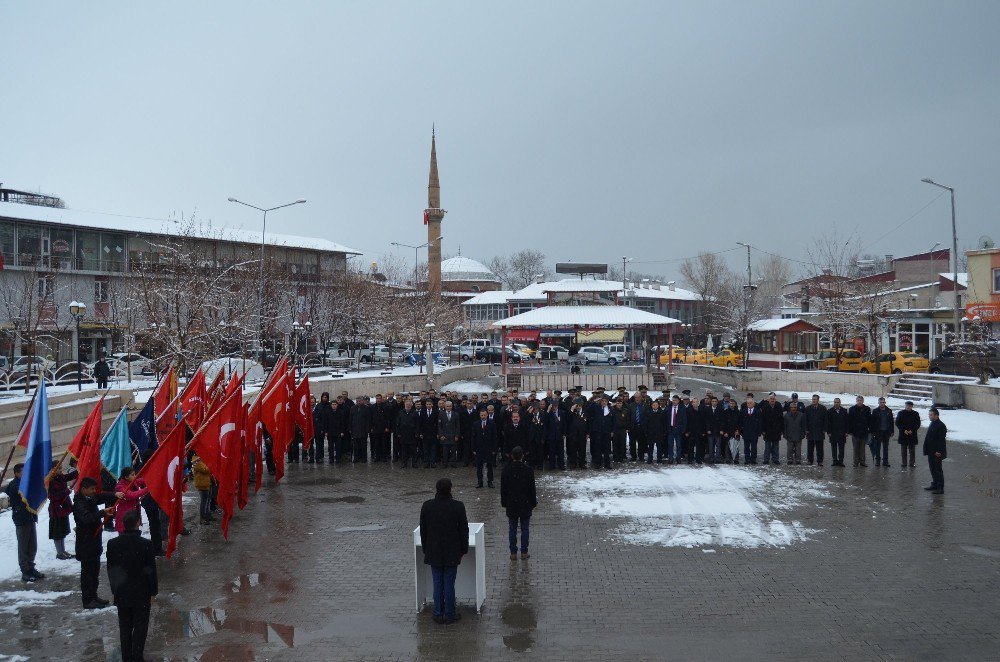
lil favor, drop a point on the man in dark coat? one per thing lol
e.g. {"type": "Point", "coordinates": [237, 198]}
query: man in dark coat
{"type": "Point", "coordinates": [936, 450]}
{"type": "Point", "coordinates": [620, 430]}
{"type": "Point", "coordinates": [361, 426]}
{"type": "Point", "coordinates": [601, 426]}
{"type": "Point", "coordinates": [380, 430]}
{"type": "Point", "coordinates": [815, 431]}
{"type": "Point", "coordinates": [89, 518]}
{"type": "Point", "coordinates": [859, 419]}
{"type": "Point", "coordinates": [838, 423]}
{"type": "Point", "coordinates": [132, 576]}
{"type": "Point", "coordinates": [102, 372]}
{"type": "Point", "coordinates": [654, 432]}
{"type": "Point", "coordinates": [322, 418]}
{"type": "Point", "coordinates": [444, 538]}
{"type": "Point", "coordinates": [883, 425]}
{"type": "Point", "coordinates": [712, 422]}
{"type": "Point", "coordinates": [772, 424]}
{"type": "Point", "coordinates": [676, 424]}
{"type": "Point", "coordinates": [537, 420]}
{"type": "Point", "coordinates": [449, 431]}
{"type": "Point", "coordinates": [908, 424]}
{"type": "Point", "coordinates": [25, 528]}
{"type": "Point", "coordinates": [407, 427]}
{"type": "Point", "coordinates": [637, 407]}
{"type": "Point", "coordinates": [694, 440]}
{"type": "Point", "coordinates": [515, 434]}
{"type": "Point", "coordinates": [484, 447]}
{"type": "Point", "coordinates": [429, 432]}
{"type": "Point", "coordinates": [468, 416]}
{"type": "Point", "coordinates": [576, 437]}
{"type": "Point", "coordinates": [749, 427]}
{"type": "Point", "coordinates": [517, 495]}
{"type": "Point", "coordinates": [555, 434]}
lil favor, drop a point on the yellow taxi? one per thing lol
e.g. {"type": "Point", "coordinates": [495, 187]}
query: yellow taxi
{"type": "Point", "coordinates": [896, 363]}
{"type": "Point", "coordinates": [698, 357]}
{"type": "Point", "coordinates": [524, 349]}
{"type": "Point", "coordinates": [850, 360]}
{"type": "Point", "coordinates": [727, 358]}
{"type": "Point", "coordinates": [672, 355]}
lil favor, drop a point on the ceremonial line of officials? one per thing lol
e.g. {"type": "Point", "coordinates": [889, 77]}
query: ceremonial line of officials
{"type": "Point", "coordinates": [554, 430]}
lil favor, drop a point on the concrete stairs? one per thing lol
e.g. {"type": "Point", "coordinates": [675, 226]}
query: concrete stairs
{"type": "Point", "coordinates": [919, 386]}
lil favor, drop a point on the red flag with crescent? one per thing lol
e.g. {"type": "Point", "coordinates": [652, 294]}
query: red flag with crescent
{"type": "Point", "coordinates": [303, 411]}
{"type": "Point", "coordinates": [164, 476]}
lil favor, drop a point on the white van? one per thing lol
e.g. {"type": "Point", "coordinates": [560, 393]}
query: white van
{"type": "Point", "coordinates": [620, 353]}
{"type": "Point", "coordinates": [467, 348]}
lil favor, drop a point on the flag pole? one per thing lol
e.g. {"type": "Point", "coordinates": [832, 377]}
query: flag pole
{"type": "Point", "coordinates": [13, 446]}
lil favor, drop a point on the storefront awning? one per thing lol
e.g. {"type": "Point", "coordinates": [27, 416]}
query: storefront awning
{"type": "Point", "coordinates": [522, 335]}
{"type": "Point", "coordinates": [590, 336]}
{"type": "Point", "coordinates": [558, 333]}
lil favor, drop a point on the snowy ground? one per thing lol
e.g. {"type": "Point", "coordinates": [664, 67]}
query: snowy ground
{"type": "Point", "coordinates": [681, 506]}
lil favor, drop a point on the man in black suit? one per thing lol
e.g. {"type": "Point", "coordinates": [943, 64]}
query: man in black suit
{"type": "Point", "coordinates": [444, 537]}
{"type": "Point", "coordinates": [515, 434]}
{"type": "Point", "coordinates": [484, 446]}
{"type": "Point", "coordinates": [936, 450]}
{"type": "Point", "coordinates": [838, 423]}
{"type": "Point", "coordinates": [132, 575]}
{"type": "Point", "coordinates": [517, 496]}
{"type": "Point", "coordinates": [749, 426]}
{"type": "Point", "coordinates": [89, 518]}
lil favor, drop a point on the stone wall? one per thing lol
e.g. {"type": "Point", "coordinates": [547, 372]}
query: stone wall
{"type": "Point", "coordinates": [982, 398]}
{"type": "Point", "coordinates": [762, 380]}
{"type": "Point", "coordinates": [382, 383]}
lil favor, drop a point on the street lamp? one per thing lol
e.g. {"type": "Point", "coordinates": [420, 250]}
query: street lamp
{"type": "Point", "coordinates": [78, 309]}
{"type": "Point", "coordinates": [429, 356]}
{"type": "Point", "coordinates": [954, 251]}
{"type": "Point", "coordinates": [263, 236]}
{"type": "Point", "coordinates": [426, 244]}
{"type": "Point", "coordinates": [296, 329]}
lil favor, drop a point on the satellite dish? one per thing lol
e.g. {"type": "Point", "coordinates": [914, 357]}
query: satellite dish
{"type": "Point", "coordinates": [986, 241]}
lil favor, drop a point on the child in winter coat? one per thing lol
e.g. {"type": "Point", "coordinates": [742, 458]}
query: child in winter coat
{"type": "Point", "coordinates": [203, 483]}
{"type": "Point", "coordinates": [60, 507]}
{"type": "Point", "coordinates": [133, 490]}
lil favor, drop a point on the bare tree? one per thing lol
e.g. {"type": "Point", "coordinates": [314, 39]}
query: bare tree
{"type": "Point", "coordinates": [519, 269]}
{"type": "Point", "coordinates": [709, 277]}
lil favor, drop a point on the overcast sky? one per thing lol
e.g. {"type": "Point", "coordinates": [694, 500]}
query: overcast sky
{"type": "Point", "coordinates": [586, 130]}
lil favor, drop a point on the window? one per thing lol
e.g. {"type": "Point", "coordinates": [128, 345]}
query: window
{"type": "Point", "coordinates": [112, 252]}
{"type": "Point", "coordinates": [29, 245]}
{"type": "Point", "coordinates": [87, 256]}
{"type": "Point", "coordinates": [101, 288]}
{"type": "Point", "coordinates": [7, 242]}
{"type": "Point", "coordinates": [996, 281]}
{"type": "Point", "coordinates": [45, 287]}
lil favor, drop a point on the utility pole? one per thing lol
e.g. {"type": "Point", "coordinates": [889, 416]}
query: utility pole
{"type": "Point", "coordinates": [748, 290]}
{"type": "Point", "coordinates": [957, 319]}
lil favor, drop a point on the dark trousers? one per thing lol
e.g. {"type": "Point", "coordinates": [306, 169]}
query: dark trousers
{"type": "Point", "coordinates": [749, 449]}
{"type": "Point", "coordinates": [360, 450]}
{"type": "Point", "coordinates": [771, 451]}
{"type": "Point", "coordinates": [814, 447]}
{"type": "Point", "coordinates": [600, 449]}
{"type": "Point", "coordinates": [155, 533]}
{"type": "Point", "coordinates": [27, 547]}
{"type": "Point", "coordinates": [715, 452]}
{"type": "Point", "coordinates": [937, 473]}
{"type": "Point", "coordinates": [576, 449]}
{"type": "Point", "coordinates": [430, 451]}
{"type": "Point", "coordinates": [133, 622]}
{"type": "Point", "coordinates": [90, 575]}
{"type": "Point", "coordinates": [408, 454]}
{"type": "Point", "coordinates": [102, 383]}
{"type": "Point", "coordinates": [618, 445]}
{"type": "Point", "coordinates": [487, 460]}
{"type": "Point", "coordinates": [205, 506]}
{"type": "Point", "coordinates": [318, 449]}
{"type": "Point", "coordinates": [858, 443]}
{"type": "Point", "coordinates": [293, 449]}
{"type": "Point", "coordinates": [637, 443]}
{"type": "Point", "coordinates": [882, 444]}
{"type": "Point", "coordinates": [657, 444]}
{"type": "Point", "coordinates": [465, 451]}
{"type": "Point", "coordinates": [908, 449]}
{"type": "Point", "coordinates": [380, 446]}
{"type": "Point", "coordinates": [557, 453]}
{"type": "Point", "coordinates": [269, 457]}
{"type": "Point", "coordinates": [444, 589]}
{"type": "Point", "coordinates": [837, 446]}
{"type": "Point", "coordinates": [447, 453]}
{"type": "Point", "coordinates": [512, 523]}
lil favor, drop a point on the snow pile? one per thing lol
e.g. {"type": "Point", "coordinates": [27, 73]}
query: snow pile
{"type": "Point", "coordinates": [685, 506]}
{"type": "Point", "coordinates": [12, 602]}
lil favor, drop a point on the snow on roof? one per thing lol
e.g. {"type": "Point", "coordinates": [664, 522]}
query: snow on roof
{"type": "Point", "coordinates": [773, 324]}
{"type": "Point", "coordinates": [884, 293]}
{"type": "Point", "coordinates": [963, 278]}
{"type": "Point", "coordinates": [568, 316]}
{"type": "Point", "coordinates": [133, 224]}
{"type": "Point", "coordinates": [538, 291]}
{"type": "Point", "coordinates": [494, 297]}
{"type": "Point", "coordinates": [464, 268]}
{"type": "Point", "coordinates": [582, 285]}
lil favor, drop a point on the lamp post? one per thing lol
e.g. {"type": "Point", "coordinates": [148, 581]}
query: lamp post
{"type": "Point", "coordinates": [748, 291]}
{"type": "Point", "coordinates": [429, 355]}
{"type": "Point", "coordinates": [263, 237]}
{"type": "Point", "coordinates": [957, 320]}
{"type": "Point", "coordinates": [78, 309]}
{"type": "Point", "coordinates": [416, 257]}
{"type": "Point", "coordinates": [296, 329]}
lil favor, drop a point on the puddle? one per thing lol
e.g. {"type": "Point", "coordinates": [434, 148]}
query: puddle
{"type": "Point", "coordinates": [254, 582]}
{"type": "Point", "coordinates": [981, 551]}
{"type": "Point", "coordinates": [363, 527]}
{"type": "Point", "coordinates": [207, 620]}
{"type": "Point", "coordinates": [344, 499]}
{"type": "Point", "coordinates": [522, 618]}
{"type": "Point", "coordinates": [520, 643]}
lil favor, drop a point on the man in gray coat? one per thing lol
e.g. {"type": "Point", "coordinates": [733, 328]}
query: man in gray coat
{"type": "Point", "coordinates": [795, 432]}
{"type": "Point", "coordinates": [449, 432]}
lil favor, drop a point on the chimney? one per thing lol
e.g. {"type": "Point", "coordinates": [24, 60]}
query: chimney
{"type": "Point", "coordinates": [645, 283]}
{"type": "Point", "coordinates": [888, 261]}
{"type": "Point", "coordinates": [671, 285]}
{"type": "Point", "coordinates": [656, 285]}
{"type": "Point", "coordinates": [539, 278]}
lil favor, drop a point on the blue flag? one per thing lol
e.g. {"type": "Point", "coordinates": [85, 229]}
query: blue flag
{"type": "Point", "coordinates": [116, 447]}
{"type": "Point", "coordinates": [143, 429]}
{"type": "Point", "coordinates": [38, 458]}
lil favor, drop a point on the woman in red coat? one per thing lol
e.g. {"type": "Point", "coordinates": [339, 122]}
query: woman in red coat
{"type": "Point", "coordinates": [133, 491]}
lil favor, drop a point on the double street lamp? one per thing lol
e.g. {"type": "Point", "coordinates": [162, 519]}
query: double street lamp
{"type": "Point", "coordinates": [416, 257]}
{"type": "Point", "coordinates": [77, 309]}
{"type": "Point", "coordinates": [263, 238]}
{"type": "Point", "coordinates": [954, 250]}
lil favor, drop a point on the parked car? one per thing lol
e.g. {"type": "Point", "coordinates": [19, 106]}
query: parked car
{"type": "Point", "coordinates": [419, 358]}
{"type": "Point", "coordinates": [620, 352]}
{"type": "Point", "coordinates": [524, 349]}
{"type": "Point", "coordinates": [895, 363]}
{"type": "Point", "coordinates": [469, 347]}
{"type": "Point", "coordinates": [552, 353]}
{"type": "Point", "coordinates": [592, 354]}
{"type": "Point", "coordinates": [672, 354]}
{"type": "Point", "coordinates": [698, 357]}
{"type": "Point", "coordinates": [968, 358]}
{"type": "Point", "coordinates": [850, 360]}
{"type": "Point", "coordinates": [726, 358]}
{"type": "Point", "coordinates": [381, 354]}
{"type": "Point", "coordinates": [120, 361]}
{"type": "Point", "coordinates": [452, 352]}
{"type": "Point", "coordinates": [493, 355]}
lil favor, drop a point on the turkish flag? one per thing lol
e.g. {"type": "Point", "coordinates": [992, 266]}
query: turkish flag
{"type": "Point", "coordinates": [255, 442]}
{"type": "Point", "coordinates": [229, 430]}
{"type": "Point", "coordinates": [194, 401]}
{"type": "Point", "coordinates": [86, 445]}
{"type": "Point", "coordinates": [215, 388]}
{"type": "Point", "coordinates": [275, 414]}
{"type": "Point", "coordinates": [25, 433]}
{"type": "Point", "coordinates": [427, 216]}
{"type": "Point", "coordinates": [163, 396]}
{"type": "Point", "coordinates": [303, 411]}
{"type": "Point", "coordinates": [242, 487]}
{"type": "Point", "coordinates": [164, 476]}
{"type": "Point", "coordinates": [211, 441]}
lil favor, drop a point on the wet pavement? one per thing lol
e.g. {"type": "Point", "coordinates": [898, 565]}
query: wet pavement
{"type": "Point", "coordinates": [322, 569]}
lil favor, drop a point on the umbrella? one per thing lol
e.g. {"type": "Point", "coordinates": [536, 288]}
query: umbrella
{"type": "Point", "coordinates": [734, 447]}
{"type": "Point", "coordinates": [710, 345]}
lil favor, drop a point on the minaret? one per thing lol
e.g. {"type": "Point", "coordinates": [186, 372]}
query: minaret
{"type": "Point", "coordinates": [434, 215]}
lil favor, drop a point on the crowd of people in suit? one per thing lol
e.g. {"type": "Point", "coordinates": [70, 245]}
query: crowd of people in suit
{"type": "Point", "coordinates": [556, 431]}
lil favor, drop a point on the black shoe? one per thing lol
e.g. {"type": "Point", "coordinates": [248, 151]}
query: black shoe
{"type": "Point", "coordinates": [28, 578]}
{"type": "Point", "coordinates": [930, 488]}
{"type": "Point", "coordinates": [454, 619]}
{"type": "Point", "coordinates": [439, 620]}
{"type": "Point", "coordinates": [93, 604]}
{"type": "Point", "coordinates": [479, 485]}
{"type": "Point", "coordinates": [36, 574]}
{"type": "Point", "coordinates": [102, 602]}
{"type": "Point", "coordinates": [63, 556]}
{"type": "Point", "coordinates": [489, 484]}
{"type": "Point", "coordinates": [427, 465]}
{"type": "Point", "coordinates": [185, 531]}
{"type": "Point", "coordinates": [885, 466]}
